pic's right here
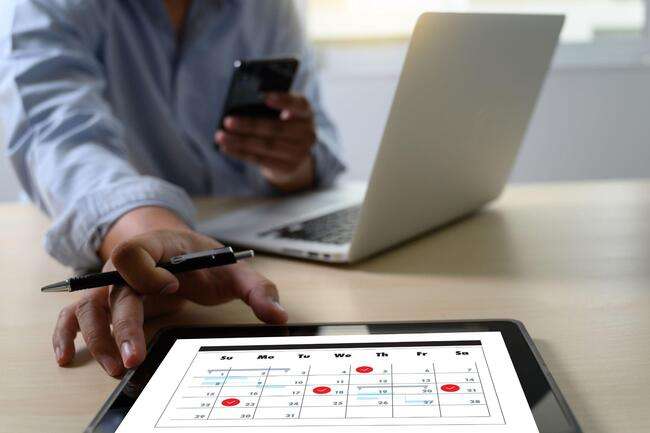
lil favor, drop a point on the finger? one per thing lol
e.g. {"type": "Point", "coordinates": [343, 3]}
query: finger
{"type": "Point", "coordinates": [277, 149]}
{"type": "Point", "coordinates": [128, 318]}
{"type": "Point", "coordinates": [155, 306]}
{"type": "Point", "coordinates": [267, 162]}
{"type": "Point", "coordinates": [136, 261]}
{"type": "Point", "coordinates": [92, 315]}
{"type": "Point", "coordinates": [297, 106]}
{"type": "Point", "coordinates": [296, 130]}
{"type": "Point", "coordinates": [258, 292]}
{"type": "Point", "coordinates": [64, 334]}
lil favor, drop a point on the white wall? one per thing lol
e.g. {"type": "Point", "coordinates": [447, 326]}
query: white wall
{"type": "Point", "coordinates": [590, 123]}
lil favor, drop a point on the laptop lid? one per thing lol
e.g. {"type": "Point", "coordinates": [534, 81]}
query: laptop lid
{"type": "Point", "coordinates": [462, 105]}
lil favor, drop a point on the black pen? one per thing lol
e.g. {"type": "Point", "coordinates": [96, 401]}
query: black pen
{"type": "Point", "coordinates": [176, 265]}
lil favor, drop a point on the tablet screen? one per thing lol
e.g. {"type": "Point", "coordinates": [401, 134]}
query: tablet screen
{"type": "Point", "coordinates": [458, 382]}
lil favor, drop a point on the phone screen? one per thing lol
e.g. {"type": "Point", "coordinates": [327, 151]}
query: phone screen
{"type": "Point", "coordinates": [251, 80]}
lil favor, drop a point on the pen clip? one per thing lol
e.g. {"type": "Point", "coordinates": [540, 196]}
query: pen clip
{"type": "Point", "coordinates": [180, 259]}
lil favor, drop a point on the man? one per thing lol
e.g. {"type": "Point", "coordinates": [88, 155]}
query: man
{"type": "Point", "coordinates": [110, 110]}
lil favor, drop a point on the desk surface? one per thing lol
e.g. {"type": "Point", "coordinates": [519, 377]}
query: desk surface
{"type": "Point", "coordinates": [572, 261]}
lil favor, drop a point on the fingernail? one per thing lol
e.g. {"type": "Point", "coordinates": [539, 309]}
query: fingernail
{"type": "Point", "coordinates": [278, 305]}
{"type": "Point", "coordinates": [169, 288]}
{"type": "Point", "coordinates": [228, 121]}
{"type": "Point", "coordinates": [285, 114]}
{"type": "Point", "coordinates": [109, 365]}
{"type": "Point", "coordinates": [58, 352]}
{"type": "Point", "coordinates": [127, 351]}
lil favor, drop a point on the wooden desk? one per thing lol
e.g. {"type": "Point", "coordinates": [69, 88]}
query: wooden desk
{"type": "Point", "coordinates": [572, 261]}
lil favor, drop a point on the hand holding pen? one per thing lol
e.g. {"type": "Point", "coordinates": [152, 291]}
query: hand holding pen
{"type": "Point", "coordinates": [176, 265]}
{"type": "Point", "coordinates": [145, 264]}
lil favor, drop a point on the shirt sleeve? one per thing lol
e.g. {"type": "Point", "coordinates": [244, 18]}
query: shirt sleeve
{"type": "Point", "coordinates": [63, 140]}
{"type": "Point", "coordinates": [289, 39]}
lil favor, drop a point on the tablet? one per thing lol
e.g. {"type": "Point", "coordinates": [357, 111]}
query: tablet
{"type": "Point", "coordinates": [482, 376]}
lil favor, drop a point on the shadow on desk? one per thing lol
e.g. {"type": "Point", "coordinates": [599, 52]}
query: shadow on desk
{"type": "Point", "coordinates": [477, 245]}
{"type": "Point", "coordinates": [82, 357]}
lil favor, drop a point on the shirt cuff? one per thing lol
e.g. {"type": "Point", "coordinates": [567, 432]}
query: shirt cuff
{"type": "Point", "coordinates": [258, 183]}
{"type": "Point", "coordinates": [328, 166]}
{"type": "Point", "coordinates": [76, 235]}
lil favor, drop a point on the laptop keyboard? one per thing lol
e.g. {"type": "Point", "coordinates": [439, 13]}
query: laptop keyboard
{"type": "Point", "coordinates": [332, 228]}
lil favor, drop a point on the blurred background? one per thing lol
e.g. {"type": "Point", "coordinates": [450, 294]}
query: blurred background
{"type": "Point", "coordinates": [591, 122]}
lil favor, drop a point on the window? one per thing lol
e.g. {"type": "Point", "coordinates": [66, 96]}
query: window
{"type": "Point", "coordinates": [588, 21]}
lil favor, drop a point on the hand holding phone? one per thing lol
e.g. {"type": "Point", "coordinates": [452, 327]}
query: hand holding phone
{"type": "Point", "coordinates": [266, 125]}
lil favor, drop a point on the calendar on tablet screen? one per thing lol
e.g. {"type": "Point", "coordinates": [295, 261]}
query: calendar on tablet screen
{"type": "Point", "coordinates": [416, 382]}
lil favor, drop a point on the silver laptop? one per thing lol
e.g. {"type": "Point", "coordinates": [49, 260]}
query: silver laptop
{"type": "Point", "coordinates": [465, 95]}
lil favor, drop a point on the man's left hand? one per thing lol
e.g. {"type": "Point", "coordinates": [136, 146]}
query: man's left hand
{"type": "Point", "coordinates": [280, 147]}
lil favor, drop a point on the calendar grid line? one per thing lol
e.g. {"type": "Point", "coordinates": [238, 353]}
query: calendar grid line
{"type": "Point", "coordinates": [405, 385]}
{"type": "Point", "coordinates": [347, 396]}
{"type": "Point", "coordinates": [261, 392]}
{"type": "Point", "coordinates": [397, 405]}
{"type": "Point", "coordinates": [435, 380]}
{"type": "Point", "coordinates": [218, 394]}
{"type": "Point", "coordinates": [494, 387]}
{"type": "Point", "coordinates": [385, 417]}
{"type": "Point", "coordinates": [317, 396]}
{"type": "Point", "coordinates": [324, 374]}
{"type": "Point", "coordinates": [481, 383]}
{"type": "Point", "coordinates": [246, 369]}
{"type": "Point", "coordinates": [302, 402]}
{"type": "Point", "coordinates": [392, 393]}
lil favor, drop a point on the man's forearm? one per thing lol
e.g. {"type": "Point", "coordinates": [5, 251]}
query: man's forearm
{"type": "Point", "coordinates": [138, 221]}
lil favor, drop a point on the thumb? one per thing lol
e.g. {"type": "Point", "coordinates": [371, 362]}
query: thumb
{"type": "Point", "coordinates": [136, 261]}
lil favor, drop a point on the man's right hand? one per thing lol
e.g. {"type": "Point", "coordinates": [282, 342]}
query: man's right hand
{"type": "Point", "coordinates": [153, 291]}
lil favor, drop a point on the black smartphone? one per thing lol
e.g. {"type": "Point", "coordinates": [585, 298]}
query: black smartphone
{"type": "Point", "coordinates": [250, 82]}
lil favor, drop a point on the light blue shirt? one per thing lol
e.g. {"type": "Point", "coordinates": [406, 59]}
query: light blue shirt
{"type": "Point", "coordinates": [104, 111]}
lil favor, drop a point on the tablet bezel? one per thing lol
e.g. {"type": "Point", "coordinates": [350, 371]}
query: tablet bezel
{"type": "Point", "coordinates": [533, 374]}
